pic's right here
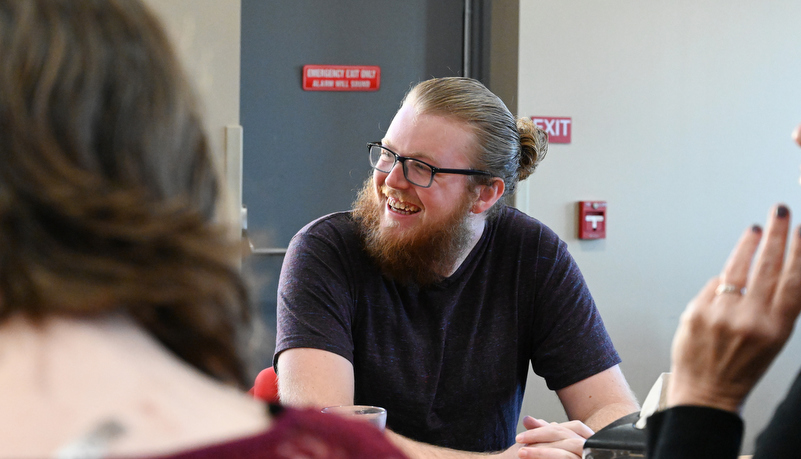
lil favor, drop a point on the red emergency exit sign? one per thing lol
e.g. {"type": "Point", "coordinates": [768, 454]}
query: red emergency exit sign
{"type": "Point", "coordinates": [559, 129]}
{"type": "Point", "coordinates": [341, 77]}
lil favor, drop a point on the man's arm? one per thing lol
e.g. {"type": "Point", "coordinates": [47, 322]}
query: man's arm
{"type": "Point", "coordinates": [591, 404]}
{"type": "Point", "coordinates": [600, 399]}
{"type": "Point", "coordinates": [314, 378]}
{"type": "Point", "coordinates": [317, 378]}
{"type": "Point", "coordinates": [417, 450]}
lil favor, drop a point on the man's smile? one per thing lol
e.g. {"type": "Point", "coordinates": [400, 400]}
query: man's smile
{"type": "Point", "coordinates": [402, 207]}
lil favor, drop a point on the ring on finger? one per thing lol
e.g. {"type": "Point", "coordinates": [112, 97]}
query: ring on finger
{"type": "Point", "coordinates": [729, 288]}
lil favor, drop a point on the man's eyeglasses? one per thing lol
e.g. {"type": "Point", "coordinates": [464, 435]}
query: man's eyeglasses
{"type": "Point", "coordinates": [415, 171]}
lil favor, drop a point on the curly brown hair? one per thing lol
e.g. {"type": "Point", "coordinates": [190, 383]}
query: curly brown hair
{"type": "Point", "coordinates": [108, 193]}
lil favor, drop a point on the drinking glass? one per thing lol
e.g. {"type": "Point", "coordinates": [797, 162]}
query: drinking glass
{"type": "Point", "coordinates": [375, 415]}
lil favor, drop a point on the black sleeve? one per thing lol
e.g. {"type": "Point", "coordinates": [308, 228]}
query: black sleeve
{"type": "Point", "coordinates": [782, 437]}
{"type": "Point", "coordinates": [690, 432]}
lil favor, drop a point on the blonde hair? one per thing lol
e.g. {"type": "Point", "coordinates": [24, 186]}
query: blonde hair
{"type": "Point", "coordinates": [506, 147]}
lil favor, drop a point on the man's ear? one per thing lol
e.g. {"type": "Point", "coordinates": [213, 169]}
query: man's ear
{"type": "Point", "coordinates": [488, 195]}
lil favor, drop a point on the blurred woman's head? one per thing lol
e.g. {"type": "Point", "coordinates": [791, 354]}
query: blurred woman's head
{"type": "Point", "coordinates": [108, 194]}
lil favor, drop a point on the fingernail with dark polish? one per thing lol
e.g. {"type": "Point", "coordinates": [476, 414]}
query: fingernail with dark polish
{"type": "Point", "coordinates": [782, 211]}
{"type": "Point", "coordinates": [756, 229]}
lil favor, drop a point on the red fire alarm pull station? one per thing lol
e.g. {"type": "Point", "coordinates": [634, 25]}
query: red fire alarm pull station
{"type": "Point", "coordinates": [592, 220]}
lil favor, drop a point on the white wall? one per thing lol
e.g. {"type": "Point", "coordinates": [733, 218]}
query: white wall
{"type": "Point", "coordinates": [682, 113]}
{"type": "Point", "coordinates": [206, 36]}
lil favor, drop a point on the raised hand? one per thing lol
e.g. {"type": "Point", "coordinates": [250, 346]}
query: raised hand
{"type": "Point", "coordinates": [731, 332]}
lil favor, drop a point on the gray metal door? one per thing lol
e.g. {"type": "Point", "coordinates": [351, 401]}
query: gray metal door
{"type": "Point", "coordinates": [304, 151]}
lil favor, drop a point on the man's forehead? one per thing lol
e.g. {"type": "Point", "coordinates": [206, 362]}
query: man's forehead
{"type": "Point", "coordinates": [426, 135]}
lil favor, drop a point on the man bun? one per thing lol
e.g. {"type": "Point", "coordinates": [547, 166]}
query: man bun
{"type": "Point", "coordinates": [533, 147]}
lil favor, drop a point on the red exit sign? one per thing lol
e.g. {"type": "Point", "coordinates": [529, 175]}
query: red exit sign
{"type": "Point", "coordinates": [341, 77]}
{"type": "Point", "coordinates": [559, 129]}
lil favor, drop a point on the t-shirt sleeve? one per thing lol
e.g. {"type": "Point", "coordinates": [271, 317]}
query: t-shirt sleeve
{"type": "Point", "coordinates": [314, 297]}
{"type": "Point", "coordinates": [571, 341]}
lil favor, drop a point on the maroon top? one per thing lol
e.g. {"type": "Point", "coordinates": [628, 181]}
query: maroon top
{"type": "Point", "coordinates": [304, 434]}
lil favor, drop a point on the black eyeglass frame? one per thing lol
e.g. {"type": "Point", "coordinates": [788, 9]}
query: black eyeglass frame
{"type": "Point", "coordinates": [434, 169]}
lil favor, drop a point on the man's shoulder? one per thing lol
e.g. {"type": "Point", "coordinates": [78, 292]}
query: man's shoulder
{"type": "Point", "coordinates": [522, 237]}
{"type": "Point", "coordinates": [336, 222]}
{"type": "Point", "coordinates": [513, 221]}
{"type": "Point", "coordinates": [337, 231]}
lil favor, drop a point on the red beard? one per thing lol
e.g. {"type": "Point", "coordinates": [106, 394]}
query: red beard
{"type": "Point", "coordinates": [424, 255]}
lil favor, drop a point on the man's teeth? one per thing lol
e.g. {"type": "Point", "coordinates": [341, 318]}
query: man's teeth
{"type": "Point", "coordinates": [402, 207]}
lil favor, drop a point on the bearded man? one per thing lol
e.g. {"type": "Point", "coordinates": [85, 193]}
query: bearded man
{"type": "Point", "coordinates": [431, 297]}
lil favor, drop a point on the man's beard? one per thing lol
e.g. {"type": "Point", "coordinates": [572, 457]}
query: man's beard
{"type": "Point", "coordinates": [424, 255]}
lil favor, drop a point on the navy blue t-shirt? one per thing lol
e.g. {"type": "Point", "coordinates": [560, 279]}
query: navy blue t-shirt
{"type": "Point", "coordinates": [448, 361]}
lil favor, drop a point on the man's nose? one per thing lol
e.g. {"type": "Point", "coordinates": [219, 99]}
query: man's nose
{"type": "Point", "coordinates": [395, 178]}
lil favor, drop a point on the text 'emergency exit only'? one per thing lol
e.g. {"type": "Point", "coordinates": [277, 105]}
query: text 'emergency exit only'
{"type": "Point", "coordinates": [341, 77]}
